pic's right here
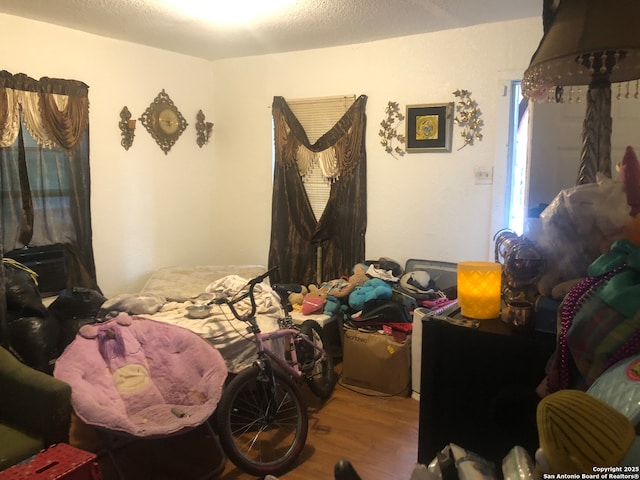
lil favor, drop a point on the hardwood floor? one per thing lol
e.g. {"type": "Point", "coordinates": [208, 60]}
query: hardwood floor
{"type": "Point", "coordinates": [377, 433]}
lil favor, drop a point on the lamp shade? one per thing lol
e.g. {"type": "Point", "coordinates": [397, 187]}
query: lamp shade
{"type": "Point", "coordinates": [586, 41]}
{"type": "Point", "coordinates": [479, 289]}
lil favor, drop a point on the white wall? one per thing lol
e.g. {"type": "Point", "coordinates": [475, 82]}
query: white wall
{"type": "Point", "coordinates": [422, 205]}
{"type": "Point", "coordinates": [148, 209]}
{"type": "Point", "coordinates": [213, 205]}
{"type": "Point", "coordinates": [557, 141]}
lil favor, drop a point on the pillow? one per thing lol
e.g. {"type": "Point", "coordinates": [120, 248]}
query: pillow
{"type": "Point", "coordinates": [179, 284]}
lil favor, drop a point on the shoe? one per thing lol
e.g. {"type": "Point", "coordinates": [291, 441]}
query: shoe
{"type": "Point", "coordinates": [343, 470]}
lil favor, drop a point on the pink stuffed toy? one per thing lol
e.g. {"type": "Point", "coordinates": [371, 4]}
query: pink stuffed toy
{"type": "Point", "coordinates": [314, 300]}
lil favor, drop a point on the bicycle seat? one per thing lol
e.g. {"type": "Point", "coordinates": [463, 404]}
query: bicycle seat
{"type": "Point", "coordinates": [287, 288]}
{"type": "Point", "coordinates": [283, 290]}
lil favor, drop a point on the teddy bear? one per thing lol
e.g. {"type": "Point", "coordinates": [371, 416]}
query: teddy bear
{"type": "Point", "coordinates": [329, 296]}
{"type": "Point", "coordinates": [296, 299]}
{"type": "Point", "coordinates": [359, 276]}
{"type": "Point", "coordinates": [316, 300]}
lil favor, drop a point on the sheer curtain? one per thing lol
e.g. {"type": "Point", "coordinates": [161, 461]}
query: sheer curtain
{"type": "Point", "coordinates": [44, 170]}
{"type": "Point", "coordinates": [340, 230]}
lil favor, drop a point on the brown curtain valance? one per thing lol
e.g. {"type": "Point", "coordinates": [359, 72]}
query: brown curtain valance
{"type": "Point", "coordinates": [55, 111]}
{"type": "Point", "coordinates": [338, 150]}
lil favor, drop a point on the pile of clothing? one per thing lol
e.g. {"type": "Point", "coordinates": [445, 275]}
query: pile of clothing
{"type": "Point", "coordinates": [378, 295]}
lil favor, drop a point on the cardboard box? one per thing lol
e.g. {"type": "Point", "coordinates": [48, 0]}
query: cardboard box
{"type": "Point", "coordinates": [376, 362]}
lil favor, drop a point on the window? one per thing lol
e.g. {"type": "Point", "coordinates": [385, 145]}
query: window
{"type": "Point", "coordinates": [517, 169]}
{"type": "Point", "coordinates": [305, 248]}
{"type": "Point", "coordinates": [44, 170]}
{"type": "Point", "coordinates": [49, 187]}
{"type": "Point", "coordinates": [317, 116]}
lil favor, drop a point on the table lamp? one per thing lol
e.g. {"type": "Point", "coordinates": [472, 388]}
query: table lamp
{"type": "Point", "coordinates": [587, 42]}
{"type": "Point", "coordinates": [479, 289]}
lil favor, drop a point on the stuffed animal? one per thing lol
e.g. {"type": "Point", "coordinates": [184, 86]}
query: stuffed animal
{"type": "Point", "coordinates": [328, 296]}
{"type": "Point", "coordinates": [332, 305]}
{"type": "Point", "coordinates": [359, 276]}
{"type": "Point", "coordinates": [372, 289]}
{"type": "Point", "coordinates": [296, 299]}
{"type": "Point", "coordinates": [339, 288]}
{"type": "Point", "coordinates": [314, 300]}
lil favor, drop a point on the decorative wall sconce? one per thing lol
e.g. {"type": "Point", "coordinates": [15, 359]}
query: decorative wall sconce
{"type": "Point", "coordinates": [389, 131]}
{"type": "Point", "coordinates": [203, 129]}
{"type": "Point", "coordinates": [127, 128]}
{"type": "Point", "coordinates": [468, 117]}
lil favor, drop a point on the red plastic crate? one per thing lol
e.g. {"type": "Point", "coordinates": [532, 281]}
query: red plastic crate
{"type": "Point", "coordinates": [58, 462]}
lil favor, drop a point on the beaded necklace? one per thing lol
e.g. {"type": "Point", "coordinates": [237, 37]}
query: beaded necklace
{"type": "Point", "coordinates": [572, 303]}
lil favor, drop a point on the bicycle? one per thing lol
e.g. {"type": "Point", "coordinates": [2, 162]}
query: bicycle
{"type": "Point", "coordinates": [262, 419]}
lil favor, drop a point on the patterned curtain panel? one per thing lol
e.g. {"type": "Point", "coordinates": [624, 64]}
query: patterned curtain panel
{"type": "Point", "coordinates": [44, 169]}
{"type": "Point", "coordinates": [340, 231]}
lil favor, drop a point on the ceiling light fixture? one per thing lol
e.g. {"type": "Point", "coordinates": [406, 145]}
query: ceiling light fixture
{"type": "Point", "coordinates": [230, 12]}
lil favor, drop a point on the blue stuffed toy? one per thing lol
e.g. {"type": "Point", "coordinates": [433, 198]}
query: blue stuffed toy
{"type": "Point", "coordinates": [373, 289]}
{"type": "Point", "coordinates": [332, 305]}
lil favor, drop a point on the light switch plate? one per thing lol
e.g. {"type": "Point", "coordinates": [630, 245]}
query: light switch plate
{"type": "Point", "coordinates": [483, 175]}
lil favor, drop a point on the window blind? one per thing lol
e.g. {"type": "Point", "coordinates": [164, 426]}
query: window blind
{"type": "Point", "coordinates": [317, 116]}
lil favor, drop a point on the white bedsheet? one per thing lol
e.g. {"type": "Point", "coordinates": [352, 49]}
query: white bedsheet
{"type": "Point", "coordinates": [170, 291]}
{"type": "Point", "coordinates": [186, 283]}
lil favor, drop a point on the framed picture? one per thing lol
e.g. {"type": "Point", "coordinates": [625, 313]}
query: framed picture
{"type": "Point", "coordinates": [429, 127]}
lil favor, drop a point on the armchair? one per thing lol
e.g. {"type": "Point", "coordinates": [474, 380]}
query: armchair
{"type": "Point", "coordinates": [35, 410]}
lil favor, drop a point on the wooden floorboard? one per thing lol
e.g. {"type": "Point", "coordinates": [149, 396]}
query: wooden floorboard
{"type": "Point", "coordinates": [376, 432]}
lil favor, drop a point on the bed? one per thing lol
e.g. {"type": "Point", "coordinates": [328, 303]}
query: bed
{"type": "Point", "coordinates": [169, 291]}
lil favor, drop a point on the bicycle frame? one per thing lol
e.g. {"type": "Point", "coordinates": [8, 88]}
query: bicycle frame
{"type": "Point", "coordinates": [292, 368]}
{"type": "Point", "coordinates": [262, 414]}
{"type": "Point", "coordinates": [291, 334]}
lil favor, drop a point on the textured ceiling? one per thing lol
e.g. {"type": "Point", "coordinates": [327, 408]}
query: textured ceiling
{"type": "Point", "coordinates": [306, 24]}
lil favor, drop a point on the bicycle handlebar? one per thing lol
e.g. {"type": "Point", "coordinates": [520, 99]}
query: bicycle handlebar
{"type": "Point", "coordinates": [261, 278]}
{"type": "Point", "coordinates": [248, 294]}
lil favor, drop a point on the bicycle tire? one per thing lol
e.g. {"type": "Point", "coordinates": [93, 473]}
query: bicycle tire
{"type": "Point", "coordinates": [252, 442]}
{"type": "Point", "coordinates": [319, 374]}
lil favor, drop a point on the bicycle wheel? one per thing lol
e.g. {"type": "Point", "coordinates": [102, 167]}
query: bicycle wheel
{"type": "Point", "coordinates": [262, 433]}
{"type": "Point", "coordinates": [319, 374]}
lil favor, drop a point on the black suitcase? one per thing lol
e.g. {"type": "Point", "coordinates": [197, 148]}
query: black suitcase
{"type": "Point", "coordinates": [48, 262]}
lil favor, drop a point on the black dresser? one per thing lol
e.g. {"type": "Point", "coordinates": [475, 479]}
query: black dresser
{"type": "Point", "coordinates": [477, 388]}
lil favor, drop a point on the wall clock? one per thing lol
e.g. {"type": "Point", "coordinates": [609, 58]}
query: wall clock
{"type": "Point", "coordinates": [163, 121]}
